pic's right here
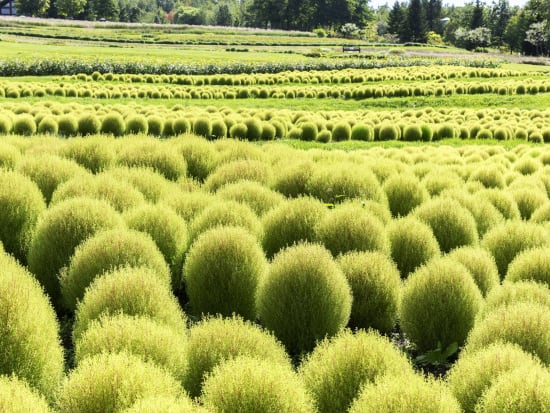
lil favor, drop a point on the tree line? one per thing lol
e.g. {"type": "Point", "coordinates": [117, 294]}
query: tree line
{"type": "Point", "coordinates": [476, 25]}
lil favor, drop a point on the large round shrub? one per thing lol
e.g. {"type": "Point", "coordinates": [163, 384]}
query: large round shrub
{"type": "Point", "coordinates": [341, 131]}
{"type": "Point", "coordinates": [119, 380]}
{"type": "Point", "coordinates": [137, 124]}
{"type": "Point", "coordinates": [350, 227]}
{"type": "Point", "coordinates": [309, 131]}
{"type": "Point", "coordinates": [253, 129]}
{"type": "Point", "coordinates": [6, 124]}
{"type": "Point", "coordinates": [21, 203]}
{"type": "Point", "coordinates": [304, 297]}
{"type": "Point", "coordinates": [528, 201]}
{"type": "Point", "coordinates": [24, 124]}
{"type": "Point", "coordinates": [151, 184]}
{"type": "Point", "coordinates": [93, 153]}
{"type": "Point", "coordinates": [113, 123]}
{"type": "Point", "coordinates": [222, 270]}
{"type": "Point", "coordinates": [404, 193]}
{"type": "Point", "coordinates": [105, 252]}
{"type": "Point", "coordinates": [29, 341]}
{"type": "Point", "coordinates": [48, 126]}
{"type": "Point", "coordinates": [88, 124]}
{"type": "Point", "coordinates": [292, 180]}
{"type": "Point", "coordinates": [388, 132]}
{"type": "Point", "coordinates": [200, 156]}
{"type": "Point", "coordinates": [376, 288]}
{"type": "Point", "coordinates": [439, 304]}
{"type": "Point", "coordinates": [189, 205]}
{"type": "Point", "coordinates": [246, 384]}
{"type": "Point", "coordinates": [155, 125]}
{"type": "Point", "coordinates": [59, 231]}
{"type": "Point", "coordinates": [17, 397]}
{"type": "Point", "coordinates": [453, 225]}
{"type": "Point", "coordinates": [490, 176]}
{"type": "Point", "coordinates": [510, 293]}
{"type": "Point", "coordinates": [405, 393]}
{"type": "Point", "coordinates": [523, 323]}
{"type": "Point", "coordinates": [240, 170]}
{"type": "Point", "coordinates": [474, 372]}
{"type": "Point", "coordinates": [412, 244]}
{"type": "Point", "coordinates": [203, 126]}
{"type": "Point", "coordinates": [67, 125]}
{"type": "Point", "coordinates": [291, 222]}
{"type": "Point", "coordinates": [507, 240]}
{"type": "Point", "coordinates": [337, 369]}
{"type": "Point", "coordinates": [362, 132]}
{"type": "Point", "coordinates": [502, 201]}
{"type": "Point", "coordinates": [132, 291]}
{"type": "Point", "coordinates": [532, 264]}
{"type": "Point", "coordinates": [215, 340]}
{"type": "Point", "coordinates": [258, 197]}
{"type": "Point", "coordinates": [140, 336]}
{"type": "Point", "coordinates": [412, 133]}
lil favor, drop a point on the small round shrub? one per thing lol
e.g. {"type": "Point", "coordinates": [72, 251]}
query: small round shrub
{"type": "Point", "coordinates": [113, 123]}
{"type": "Point", "coordinates": [222, 270]}
{"type": "Point", "coordinates": [532, 264]}
{"type": "Point", "coordinates": [213, 341]}
{"type": "Point", "coordinates": [412, 133]}
{"type": "Point", "coordinates": [525, 389]}
{"type": "Point", "coordinates": [484, 133]}
{"type": "Point", "coordinates": [67, 125]}
{"type": "Point", "coordinates": [475, 372]}
{"type": "Point", "coordinates": [59, 231]}
{"type": "Point", "coordinates": [88, 124]}
{"type": "Point", "coordinates": [324, 136]}
{"type": "Point", "coordinates": [239, 170]}
{"type": "Point", "coordinates": [253, 129]}
{"type": "Point", "coordinates": [388, 132]}
{"type": "Point", "coordinates": [404, 192]}
{"type": "Point", "coordinates": [168, 230]}
{"type": "Point", "coordinates": [510, 293]}
{"type": "Point", "coordinates": [119, 380]}
{"type": "Point", "coordinates": [203, 126]}
{"type": "Point", "coordinates": [155, 125]}
{"type": "Point", "coordinates": [292, 180]}
{"type": "Point", "coordinates": [337, 369]}
{"type": "Point", "coordinates": [508, 239]}
{"type": "Point", "coordinates": [362, 132]}
{"type": "Point", "coordinates": [137, 124]}
{"type": "Point", "coordinates": [24, 124]}
{"type": "Point", "coordinates": [439, 304]}
{"type": "Point", "coordinates": [238, 131]}
{"type": "Point", "coordinates": [219, 128]}
{"type": "Point", "coordinates": [291, 222]}
{"type": "Point", "coordinates": [105, 252]}
{"type": "Point", "coordinates": [350, 227]}
{"type": "Point", "coordinates": [21, 203]}
{"type": "Point", "coordinates": [304, 297]}
{"type": "Point", "coordinates": [17, 397]}
{"type": "Point", "coordinates": [140, 336]}
{"type": "Point", "coordinates": [341, 131]}
{"type": "Point", "coordinates": [94, 153]}
{"type": "Point", "coordinates": [427, 132]}
{"type": "Point", "coordinates": [309, 131]}
{"type": "Point", "coordinates": [29, 341]}
{"type": "Point", "coordinates": [269, 131]}
{"type": "Point", "coordinates": [181, 126]}
{"type": "Point", "coordinates": [246, 384]}
{"type": "Point", "coordinates": [133, 291]}
{"type": "Point", "coordinates": [412, 244]}
{"type": "Point", "coordinates": [375, 286]}
{"type": "Point", "coordinates": [258, 197]}
{"type": "Point", "coordinates": [405, 393]}
{"type": "Point", "coordinates": [48, 125]}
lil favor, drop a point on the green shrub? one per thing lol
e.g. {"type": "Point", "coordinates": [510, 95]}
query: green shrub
{"type": "Point", "coordinates": [525, 389]}
{"type": "Point", "coordinates": [200, 156]}
{"type": "Point", "coordinates": [405, 393]}
{"type": "Point", "coordinates": [139, 336]}
{"type": "Point", "coordinates": [246, 384]}
{"type": "Point", "coordinates": [304, 297]}
{"type": "Point", "coordinates": [427, 132]}
{"type": "Point", "coordinates": [337, 369]}
{"type": "Point", "coordinates": [119, 380]}
{"type": "Point", "coordinates": [532, 264]}
{"type": "Point", "coordinates": [113, 123]}
{"type": "Point", "coordinates": [291, 222]}
{"type": "Point", "coordinates": [324, 136]}
{"type": "Point", "coordinates": [17, 397]}
{"type": "Point", "coordinates": [484, 133]}
{"type": "Point", "coordinates": [134, 291]}
{"type": "Point", "coordinates": [388, 132]}
{"type": "Point", "coordinates": [137, 124]}
{"type": "Point", "coordinates": [412, 133]}
{"type": "Point", "coordinates": [375, 286]}
{"type": "Point", "coordinates": [412, 244]}
{"type": "Point", "coordinates": [94, 153]}
{"type": "Point", "coordinates": [151, 184]}
{"type": "Point", "coordinates": [404, 192]}
{"type": "Point", "coordinates": [350, 227]}
{"type": "Point", "coordinates": [188, 205]}
{"type": "Point", "coordinates": [59, 231]}
{"type": "Point", "coordinates": [446, 131]}
{"type": "Point", "coordinates": [510, 293]}
{"type": "Point", "coordinates": [528, 201]}
{"type": "Point", "coordinates": [253, 194]}
{"type": "Point", "coordinates": [181, 126]}
{"type": "Point", "coordinates": [490, 176]}
{"type": "Point", "coordinates": [341, 131]}
{"type": "Point", "coordinates": [481, 264]}
{"type": "Point", "coordinates": [292, 180]}
{"type": "Point", "coordinates": [222, 270]}
{"type": "Point", "coordinates": [309, 131]}
{"type": "Point", "coordinates": [523, 323]}
{"type": "Point", "coordinates": [362, 132]}
{"type": "Point", "coordinates": [48, 125]}
{"type": "Point", "coordinates": [21, 203]}
{"type": "Point", "coordinates": [29, 342]}
{"type": "Point", "coordinates": [105, 252]}
{"type": "Point", "coordinates": [240, 170]}
{"type": "Point", "coordinates": [203, 126]}
{"type": "Point", "coordinates": [253, 129]}
{"type": "Point", "coordinates": [88, 124]}
{"type": "Point", "coordinates": [6, 125]}
{"type": "Point", "coordinates": [507, 240]}
{"type": "Point", "coordinates": [269, 131]}
{"type": "Point", "coordinates": [219, 128]}
{"type": "Point", "coordinates": [155, 125]}
{"type": "Point", "coordinates": [24, 124]}
{"type": "Point", "coordinates": [439, 304]}
{"type": "Point", "coordinates": [168, 230]}
{"type": "Point", "coordinates": [475, 372]}
{"type": "Point", "coordinates": [527, 165]}
{"type": "Point", "coordinates": [10, 156]}
{"type": "Point", "coordinates": [238, 131]}
{"type": "Point", "coordinates": [215, 340]}
{"type": "Point", "coordinates": [163, 404]}
{"type": "Point", "coordinates": [502, 201]}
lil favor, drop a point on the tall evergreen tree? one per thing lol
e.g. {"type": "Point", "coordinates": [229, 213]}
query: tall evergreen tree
{"type": "Point", "coordinates": [433, 15]}
{"type": "Point", "coordinates": [397, 20]}
{"type": "Point", "coordinates": [477, 16]}
{"type": "Point", "coordinates": [500, 15]}
{"type": "Point", "coordinates": [416, 22]}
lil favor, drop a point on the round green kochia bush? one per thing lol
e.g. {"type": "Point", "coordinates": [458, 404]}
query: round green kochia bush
{"type": "Point", "coordinates": [21, 203]}
{"type": "Point", "coordinates": [532, 264]}
{"type": "Point", "coordinates": [362, 132]}
{"type": "Point", "coordinates": [200, 156]}
{"type": "Point", "coordinates": [222, 270]}
{"type": "Point", "coordinates": [291, 181]}
{"type": "Point", "coordinates": [475, 372]}
{"type": "Point", "coordinates": [309, 131]}
{"type": "Point", "coordinates": [523, 323]}
{"type": "Point", "coordinates": [59, 231]}
{"type": "Point", "coordinates": [510, 293]}
{"type": "Point", "coordinates": [88, 124]}
{"type": "Point", "coordinates": [133, 291]}
{"type": "Point", "coordinates": [291, 222]}
{"type": "Point", "coordinates": [246, 384]}
{"type": "Point", "coordinates": [155, 125]}
{"type": "Point", "coordinates": [151, 184]}
{"type": "Point", "coordinates": [490, 176]}
{"type": "Point", "coordinates": [203, 126]}
{"type": "Point", "coordinates": [6, 125]}
{"type": "Point", "coordinates": [388, 132]}
{"type": "Point", "coordinates": [405, 393]}
{"type": "Point", "coordinates": [137, 124]}
{"type": "Point", "coordinates": [507, 240]}
{"type": "Point", "coordinates": [119, 380]}
{"type": "Point", "coordinates": [48, 126]}
{"type": "Point", "coordinates": [93, 153]}
{"type": "Point", "coordinates": [168, 230]}
{"type": "Point", "coordinates": [29, 343]}
{"type": "Point", "coordinates": [523, 389]}
{"type": "Point", "coordinates": [253, 128]}
{"type": "Point", "coordinates": [412, 133]}
{"type": "Point", "coordinates": [350, 227]}
{"type": "Point", "coordinates": [67, 125]}
{"type": "Point", "coordinates": [24, 124]}
{"type": "Point", "coordinates": [188, 205]}
{"type": "Point", "coordinates": [219, 128]}
{"type": "Point", "coordinates": [481, 265]}
{"type": "Point", "coordinates": [238, 131]}
{"type": "Point", "coordinates": [453, 225]}
{"type": "Point", "coordinates": [213, 341]}
{"type": "Point", "coordinates": [236, 171]}
{"type": "Point", "coordinates": [114, 124]}
{"type": "Point", "coordinates": [324, 136]}
{"type": "Point", "coordinates": [258, 197]}
{"type": "Point", "coordinates": [375, 286]}
{"type": "Point", "coordinates": [104, 252]}
{"type": "Point", "coordinates": [141, 336]}
{"type": "Point", "coordinates": [164, 404]}
{"type": "Point", "coordinates": [439, 304]}
{"type": "Point", "coordinates": [528, 201]}
{"type": "Point", "coordinates": [17, 397]}
{"type": "Point", "coordinates": [503, 202]}
{"type": "Point", "coordinates": [341, 131]}
{"type": "Point", "coordinates": [10, 156]}
{"type": "Point", "coordinates": [404, 192]}
{"type": "Point", "coordinates": [304, 297]}
{"type": "Point", "coordinates": [181, 126]}
{"type": "Point", "coordinates": [337, 369]}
